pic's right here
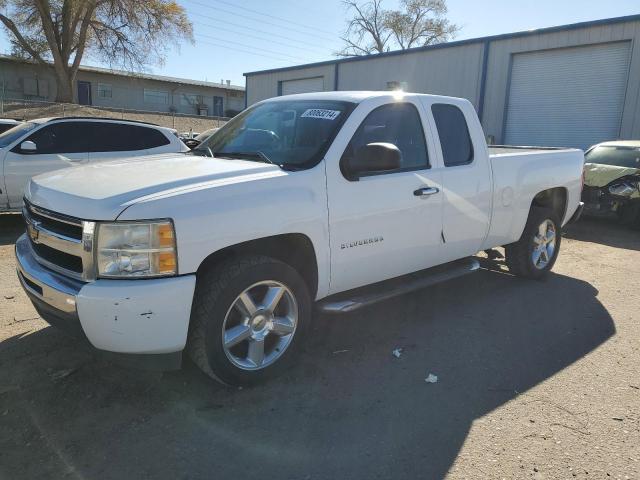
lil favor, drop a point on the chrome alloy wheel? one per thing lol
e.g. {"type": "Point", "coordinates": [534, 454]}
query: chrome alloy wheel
{"type": "Point", "coordinates": [259, 325]}
{"type": "Point", "coordinates": [544, 244]}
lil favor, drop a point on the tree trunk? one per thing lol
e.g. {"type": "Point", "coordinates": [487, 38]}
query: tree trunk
{"type": "Point", "coordinates": [65, 92]}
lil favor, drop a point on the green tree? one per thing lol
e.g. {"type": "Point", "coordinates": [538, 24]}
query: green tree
{"type": "Point", "coordinates": [129, 34]}
{"type": "Point", "coordinates": [372, 29]}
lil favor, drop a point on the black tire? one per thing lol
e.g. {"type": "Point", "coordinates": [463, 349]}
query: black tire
{"type": "Point", "coordinates": [629, 214]}
{"type": "Point", "coordinates": [518, 255]}
{"type": "Point", "coordinates": [216, 291]}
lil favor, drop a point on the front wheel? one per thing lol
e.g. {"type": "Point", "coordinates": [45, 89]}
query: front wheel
{"type": "Point", "coordinates": [248, 318]}
{"type": "Point", "coordinates": [534, 255]}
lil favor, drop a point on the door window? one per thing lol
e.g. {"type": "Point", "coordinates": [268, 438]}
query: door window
{"type": "Point", "coordinates": [114, 137]}
{"type": "Point", "coordinates": [455, 141]}
{"type": "Point", "coordinates": [398, 124]}
{"type": "Point", "coordinates": [63, 137]}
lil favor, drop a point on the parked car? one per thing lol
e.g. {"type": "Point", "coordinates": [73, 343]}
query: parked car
{"type": "Point", "coordinates": [47, 144]}
{"type": "Point", "coordinates": [612, 180]}
{"type": "Point", "coordinates": [341, 199]}
{"type": "Point", "coordinates": [8, 123]}
{"type": "Point", "coordinates": [198, 139]}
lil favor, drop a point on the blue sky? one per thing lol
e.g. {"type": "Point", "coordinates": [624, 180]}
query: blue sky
{"type": "Point", "coordinates": [237, 36]}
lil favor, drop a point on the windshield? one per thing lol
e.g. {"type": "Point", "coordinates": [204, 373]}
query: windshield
{"type": "Point", "coordinates": [206, 134]}
{"type": "Point", "coordinates": [293, 134]}
{"type": "Point", "coordinates": [15, 133]}
{"type": "Point", "coordinates": [618, 156]}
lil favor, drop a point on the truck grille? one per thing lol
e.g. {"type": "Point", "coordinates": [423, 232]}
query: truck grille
{"type": "Point", "coordinates": [60, 243]}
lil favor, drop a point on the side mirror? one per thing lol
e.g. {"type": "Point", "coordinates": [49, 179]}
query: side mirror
{"type": "Point", "coordinates": [375, 157]}
{"type": "Point", "coordinates": [28, 147]}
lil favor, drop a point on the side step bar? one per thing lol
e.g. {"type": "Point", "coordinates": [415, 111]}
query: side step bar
{"type": "Point", "coordinates": [361, 297]}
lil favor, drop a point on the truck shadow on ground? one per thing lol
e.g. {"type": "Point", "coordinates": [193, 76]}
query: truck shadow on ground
{"type": "Point", "coordinates": [605, 231]}
{"type": "Point", "coordinates": [349, 409]}
{"type": "Point", "coordinates": [11, 227]}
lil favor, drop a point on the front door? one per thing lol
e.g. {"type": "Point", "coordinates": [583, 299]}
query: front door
{"type": "Point", "coordinates": [380, 227]}
{"type": "Point", "coordinates": [59, 145]}
{"type": "Point", "coordinates": [84, 93]}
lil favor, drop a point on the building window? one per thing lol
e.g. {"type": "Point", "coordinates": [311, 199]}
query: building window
{"type": "Point", "coordinates": [104, 90]}
{"type": "Point", "coordinates": [191, 99]}
{"type": "Point", "coordinates": [156, 96]}
{"type": "Point", "coordinates": [35, 88]}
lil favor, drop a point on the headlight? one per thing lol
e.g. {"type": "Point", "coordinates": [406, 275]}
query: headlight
{"type": "Point", "coordinates": [624, 189]}
{"type": "Point", "coordinates": [136, 249]}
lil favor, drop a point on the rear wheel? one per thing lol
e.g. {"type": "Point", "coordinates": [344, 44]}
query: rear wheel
{"type": "Point", "coordinates": [534, 255]}
{"type": "Point", "coordinates": [248, 319]}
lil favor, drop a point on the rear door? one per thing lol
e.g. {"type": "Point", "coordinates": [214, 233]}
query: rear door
{"type": "Point", "coordinates": [58, 145]}
{"type": "Point", "coordinates": [118, 140]}
{"type": "Point", "coordinates": [466, 176]}
{"type": "Point", "coordinates": [379, 227]}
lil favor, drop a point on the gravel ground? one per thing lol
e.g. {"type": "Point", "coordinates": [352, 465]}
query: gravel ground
{"type": "Point", "coordinates": [535, 380]}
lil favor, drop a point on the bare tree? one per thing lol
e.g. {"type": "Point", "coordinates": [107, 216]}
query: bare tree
{"type": "Point", "coordinates": [373, 29]}
{"type": "Point", "coordinates": [366, 32]}
{"type": "Point", "coordinates": [125, 33]}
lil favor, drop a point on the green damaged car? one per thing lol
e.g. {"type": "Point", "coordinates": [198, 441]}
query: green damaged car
{"type": "Point", "coordinates": [612, 180]}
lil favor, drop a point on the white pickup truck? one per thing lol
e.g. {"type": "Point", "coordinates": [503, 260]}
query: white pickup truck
{"type": "Point", "coordinates": [340, 199]}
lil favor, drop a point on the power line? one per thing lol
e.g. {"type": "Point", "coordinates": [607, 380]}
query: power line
{"type": "Point", "coordinates": [246, 51]}
{"type": "Point", "coordinates": [270, 40]}
{"type": "Point", "coordinates": [223, 40]}
{"type": "Point", "coordinates": [254, 19]}
{"type": "Point", "coordinates": [272, 16]}
{"type": "Point", "coordinates": [315, 45]}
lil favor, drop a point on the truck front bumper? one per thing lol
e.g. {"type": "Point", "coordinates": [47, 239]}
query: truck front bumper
{"type": "Point", "coordinates": [142, 323]}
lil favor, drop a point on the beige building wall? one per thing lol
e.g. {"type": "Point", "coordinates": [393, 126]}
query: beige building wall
{"type": "Point", "coordinates": [22, 80]}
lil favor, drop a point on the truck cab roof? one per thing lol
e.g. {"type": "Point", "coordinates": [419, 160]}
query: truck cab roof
{"type": "Point", "coordinates": [356, 96]}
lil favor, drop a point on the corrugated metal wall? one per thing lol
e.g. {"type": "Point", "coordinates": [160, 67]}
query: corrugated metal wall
{"type": "Point", "coordinates": [260, 87]}
{"type": "Point", "coordinates": [457, 71]}
{"type": "Point", "coordinates": [454, 71]}
{"type": "Point", "coordinates": [499, 68]}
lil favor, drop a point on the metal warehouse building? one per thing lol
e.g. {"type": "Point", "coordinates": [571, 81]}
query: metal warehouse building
{"type": "Point", "coordinates": [573, 85]}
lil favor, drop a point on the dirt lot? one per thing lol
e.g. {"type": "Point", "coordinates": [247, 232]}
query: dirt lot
{"type": "Point", "coordinates": [535, 380]}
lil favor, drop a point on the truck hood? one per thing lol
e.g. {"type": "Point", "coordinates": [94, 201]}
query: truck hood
{"type": "Point", "coordinates": [101, 191]}
{"type": "Point", "coordinates": [599, 175]}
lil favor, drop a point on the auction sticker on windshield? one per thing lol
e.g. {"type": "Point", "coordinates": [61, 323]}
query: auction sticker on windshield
{"type": "Point", "coordinates": [321, 113]}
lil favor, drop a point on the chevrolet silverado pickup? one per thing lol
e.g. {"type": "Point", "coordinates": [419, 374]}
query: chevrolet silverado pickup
{"type": "Point", "coordinates": [332, 201]}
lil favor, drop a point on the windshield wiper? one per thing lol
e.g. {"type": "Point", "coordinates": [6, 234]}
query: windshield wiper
{"type": "Point", "coordinates": [260, 156]}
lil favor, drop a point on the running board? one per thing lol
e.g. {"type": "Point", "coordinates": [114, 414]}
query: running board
{"type": "Point", "coordinates": [378, 292]}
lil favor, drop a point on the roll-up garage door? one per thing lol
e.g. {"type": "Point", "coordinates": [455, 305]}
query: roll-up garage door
{"type": "Point", "coordinates": [303, 85]}
{"type": "Point", "coordinates": [569, 97]}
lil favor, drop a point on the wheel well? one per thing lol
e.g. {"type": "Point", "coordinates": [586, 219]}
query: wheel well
{"type": "Point", "coordinates": [294, 249]}
{"type": "Point", "coordinates": [554, 198]}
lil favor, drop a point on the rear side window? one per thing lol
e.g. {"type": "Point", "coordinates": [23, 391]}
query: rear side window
{"type": "Point", "coordinates": [63, 137]}
{"type": "Point", "coordinates": [396, 123]}
{"type": "Point", "coordinates": [5, 126]}
{"type": "Point", "coordinates": [457, 148]}
{"type": "Point", "coordinates": [114, 137]}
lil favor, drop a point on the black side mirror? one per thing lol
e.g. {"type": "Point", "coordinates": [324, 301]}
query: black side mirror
{"type": "Point", "coordinates": [374, 157]}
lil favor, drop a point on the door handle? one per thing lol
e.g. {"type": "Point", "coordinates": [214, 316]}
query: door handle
{"type": "Point", "coordinates": [426, 192]}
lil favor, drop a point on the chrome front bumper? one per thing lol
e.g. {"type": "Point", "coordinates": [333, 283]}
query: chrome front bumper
{"type": "Point", "coordinates": [53, 295]}
{"type": "Point", "coordinates": [120, 318]}
{"type": "Point", "coordinates": [55, 290]}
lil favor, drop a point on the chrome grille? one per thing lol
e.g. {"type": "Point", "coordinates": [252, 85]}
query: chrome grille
{"type": "Point", "coordinates": [60, 242]}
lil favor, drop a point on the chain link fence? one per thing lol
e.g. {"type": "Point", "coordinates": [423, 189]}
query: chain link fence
{"type": "Point", "coordinates": [30, 109]}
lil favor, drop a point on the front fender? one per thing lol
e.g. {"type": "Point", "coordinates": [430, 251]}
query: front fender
{"type": "Point", "coordinates": [211, 218]}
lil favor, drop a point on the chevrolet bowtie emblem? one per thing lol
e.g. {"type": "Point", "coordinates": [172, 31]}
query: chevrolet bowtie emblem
{"type": "Point", "coordinates": [33, 232]}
